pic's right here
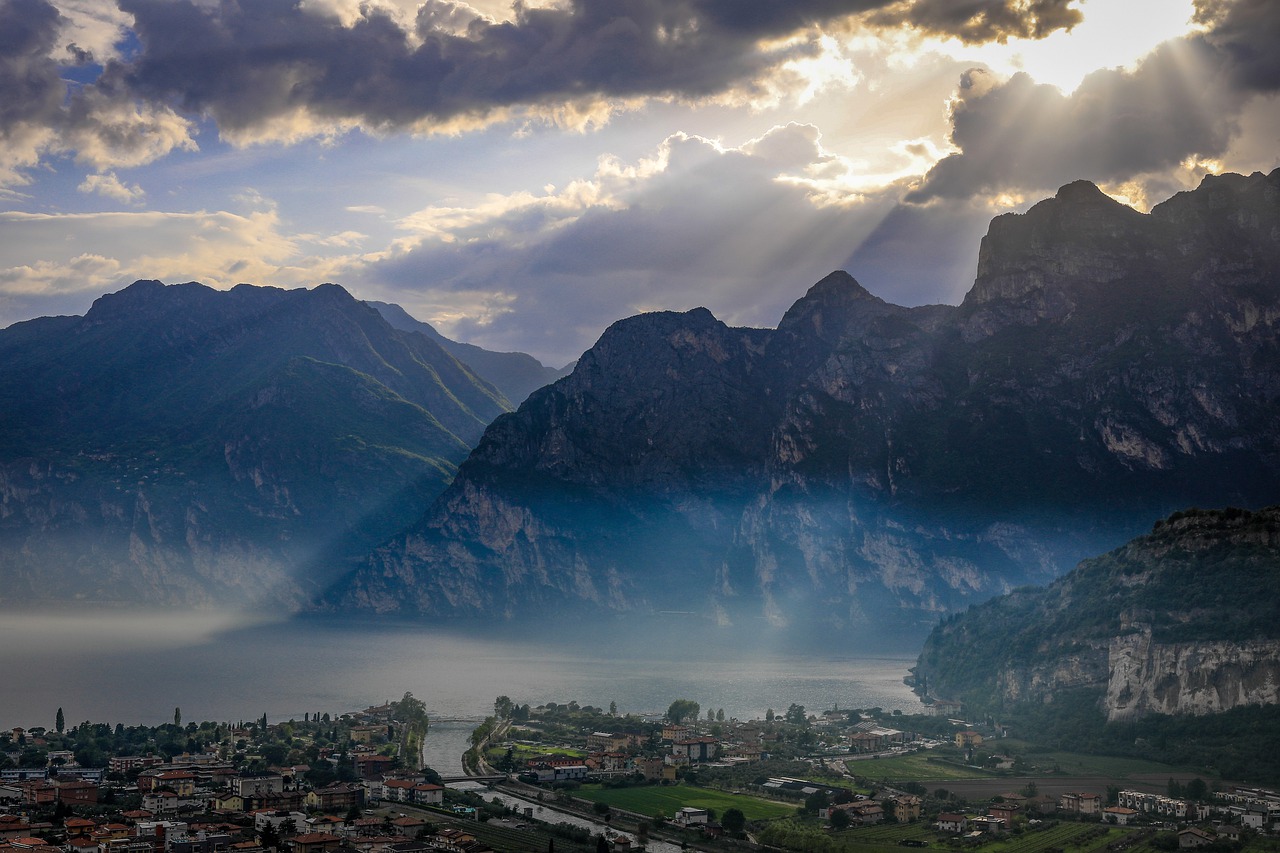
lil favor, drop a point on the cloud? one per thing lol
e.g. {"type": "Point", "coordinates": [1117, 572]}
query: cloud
{"type": "Point", "coordinates": [31, 89]}
{"type": "Point", "coordinates": [110, 186]}
{"type": "Point", "coordinates": [84, 255]}
{"type": "Point", "coordinates": [741, 230]}
{"type": "Point", "coordinates": [1181, 105]}
{"type": "Point", "coordinates": [285, 70]}
{"type": "Point", "coordinates": [1246, 33]}
{"type": "Point", "coordinates": [984, 20]}
{"type": "Point", "coordinates": [1023, 136]}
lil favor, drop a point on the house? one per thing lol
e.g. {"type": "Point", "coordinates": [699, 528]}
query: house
{"type": "Point", "coordinates": [675, 731]}
{"type": "Point", "coordinates": [607, 742]}
{"type": "Point", "coordinates": [407, 827]}
{"type": "Point", "coordinates": [258, 785]}
{"type": "Point", "coordinates": [1078, 803]}
{"type": "Point", "coordinates": [1119, 815]}
{"type": "Point", "coordinates": [1005, 811]}
{"type": "Point", "coordinates": [968, 738]}
{"type": "Point", "coordinates": [426, 794]}
{"type": "Point", "coordinates": [373, 766]}
{"type": "Point", "coordinates": [201, 842]}
{"type": "Point", "coordinates": [181, 782]}
{"type": "Point", "coordinates": [335, 797]}
{"type": "Point", "coordinates": [655, 768]}
{"type": "Point", "coordinates": [906, 808]}
{"type": "Point", "coordinates": [696, 748]}
{"type": "Point", "coordinates": [689, 816]}
{"type": "Point", "coordinates": [76, 792]}
{"type": "Point", "coordinates": [863, 812]}
{"type": "Point", "coordinates": [1195, 837]}
{"type": "Point", "coordinates": [397, 790]}
{"type": "Point", "coordinates": [314, 842]}
{"type": "Point", "coordinates": [949, 822]}
{"type": "Point", "coordinates": [1254, 818]}
{"type": "Point", "coordinates": [78, 826]}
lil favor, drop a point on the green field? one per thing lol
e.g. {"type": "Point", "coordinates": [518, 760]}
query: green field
{"type": "Point", "coordinates": [651, 799]}
{"type": "Point", "coordinates": [913, 767]}
{"type": "Point", "coordinates": [1079, 764]}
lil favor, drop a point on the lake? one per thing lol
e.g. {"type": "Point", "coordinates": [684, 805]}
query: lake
{"type": "Point", "coordinates": [138, 667]}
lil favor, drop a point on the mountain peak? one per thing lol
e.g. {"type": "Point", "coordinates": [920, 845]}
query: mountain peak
{"type": "Point", "coordinates": [1083, 192]}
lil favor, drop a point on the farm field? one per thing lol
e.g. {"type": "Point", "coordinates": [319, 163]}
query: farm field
{"type": "Point", "coordinates": [651, 799]}
{"type": "Point", "coordinates": [916, 767]}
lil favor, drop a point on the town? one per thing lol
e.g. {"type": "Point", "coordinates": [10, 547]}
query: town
{"type": "Point", "coordinates": [578, 777]}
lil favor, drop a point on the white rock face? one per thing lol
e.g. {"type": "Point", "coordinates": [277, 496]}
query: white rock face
{"type": "Point", "coordinates": [1189, 678]}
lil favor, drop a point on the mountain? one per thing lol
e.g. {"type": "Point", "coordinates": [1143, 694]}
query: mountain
{"type": "Point", "coordinates": [183, 445]}
{"type": "Point", "coordinates": [515, 374]}
{"type": "Point", "coordinates": [1183, 620]}
{"type": "Point", "coordinates": [870, 466]}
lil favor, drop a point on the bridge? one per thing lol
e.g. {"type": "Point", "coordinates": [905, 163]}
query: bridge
{"type": "Point", "coordinates": [476, 720]}
{"type": "Point", "coordinates": [488, 780]}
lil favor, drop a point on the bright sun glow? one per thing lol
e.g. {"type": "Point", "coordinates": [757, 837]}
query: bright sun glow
{"type": "Point", "coordinates": [1114, 34]}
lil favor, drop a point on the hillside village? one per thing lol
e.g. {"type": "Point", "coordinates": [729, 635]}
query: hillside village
{"type": "Point", "coordinates": [343, 785]}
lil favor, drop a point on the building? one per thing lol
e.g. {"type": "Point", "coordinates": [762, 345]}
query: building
{"type": "Point", "coordinates": [1082, 804]}
{"type": "Point", "coordinates": [863, 812]}
{"type": "Point", "coordinates": [426, 794]}
{"type": "Point", "coordinates": [689, 816]}
{"type": "Point", "coordinates": [968, 738]}
{"type": "Point", "coordinates": [1119, 815]}
{"type": "Point", "coordinates": [258, 785]}
{"type": "Point", "coordinates": [607, 742]}
{"type": "Point", "coordinates": [950, 822]}
{"type": "Point", "coordinates": [314, 842]}
{"type": "Point", "coordinates": [696, 748]}
{"type": "Point", "coordinates": [1195, 837]}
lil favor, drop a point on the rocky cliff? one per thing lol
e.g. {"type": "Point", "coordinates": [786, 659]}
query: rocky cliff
{"type": "Point", "coordinates": [1184, 620]}
{"type": "Point", "coordinates": [871, 465]}
{"type": "Point", "coordinates": [181, 445]}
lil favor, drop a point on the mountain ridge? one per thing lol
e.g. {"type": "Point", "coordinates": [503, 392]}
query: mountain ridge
{"type": "Point", "coordinates": [916, 459]}
{"type": "Point", "coordinates": [187, 446]}
{"type": "Point", "coordinates": [1182, 620]}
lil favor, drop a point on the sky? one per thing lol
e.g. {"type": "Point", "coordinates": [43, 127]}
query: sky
{"type": "Point", "coordinates": [521, 176]}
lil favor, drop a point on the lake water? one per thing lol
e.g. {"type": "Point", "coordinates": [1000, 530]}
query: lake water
{"type": "Point", "coordinates": [136, 668]}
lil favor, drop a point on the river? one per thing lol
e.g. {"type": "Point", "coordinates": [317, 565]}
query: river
{"type": "Point", "coordinates": [138, 668]}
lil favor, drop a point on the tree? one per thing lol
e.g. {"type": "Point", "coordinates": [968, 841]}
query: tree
{"type": "Point", "coordinates": [1196, 790]}
{"type": "Point", "coordinates": [816, 802]}
{"type": "Point", "coordinates": [502, 707]}
{"type": "Point", "coordinates": [60, 722]}
{"type": "Point", "coordinates": [768, 716]}
{"type": "Point", "coordinates": [734, 820]}
{"type": "Point", "coordinates": [682, 709]}
{"type": "Point", "coordinates": [711, 715]}
{"type": "Point", "coordinates": [177, 716]}
{"type": "Point", "coordinates": [613, 709]}
{"type": "Point", "coordinates": [720, 715]}
{"type": "Point", "coordinates": [795, 715]}
{"type": "Point", "coordinates": [839, 819]}
{"type": "Point", "coordinates": [269, 836]}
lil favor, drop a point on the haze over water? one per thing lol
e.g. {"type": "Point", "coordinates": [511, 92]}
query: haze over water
{"type": "Point", "coordinates": [134, 668]}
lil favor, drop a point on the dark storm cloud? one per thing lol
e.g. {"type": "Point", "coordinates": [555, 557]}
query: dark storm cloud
{"type": "Point", "coordinates": [985, 20]}
{"type": "Point", "coordinates": [31, 91]}
{"type": "Point", "coordinates": [1182, 101]}
{"type": "Point", "coordinates": [1247, 32]}
{"type": "Point", "coordinates": [245, 63]}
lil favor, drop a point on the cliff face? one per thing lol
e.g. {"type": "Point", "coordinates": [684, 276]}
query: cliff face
{"type": "Point", "coordinates": [1189, 678]}
{"type": "Point", "coordinates": [180, 445]}
{"type": "Point", "coordinates": [1183, 620]}
{"type": "Point", "coordinates": [871, 465]}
